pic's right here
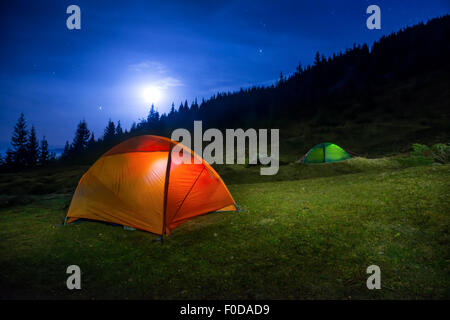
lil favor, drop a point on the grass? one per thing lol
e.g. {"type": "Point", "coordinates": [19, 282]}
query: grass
{"type": "Point", "coordinates": [310, 236]}
{"type": "Point", "coordinates": [237, 174]}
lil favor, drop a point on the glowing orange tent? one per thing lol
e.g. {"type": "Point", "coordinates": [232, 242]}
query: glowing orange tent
{"type": "Point", "coordinates": [138, 184]}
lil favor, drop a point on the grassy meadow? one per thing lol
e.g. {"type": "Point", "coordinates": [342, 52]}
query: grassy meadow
{"type": "Point", "coordinates": [309, 232]}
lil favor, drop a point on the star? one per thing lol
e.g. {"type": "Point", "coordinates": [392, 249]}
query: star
{"type": "Point", "coordinates": [100, 108]}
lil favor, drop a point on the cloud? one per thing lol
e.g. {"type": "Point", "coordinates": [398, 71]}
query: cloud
{"type": "Point", "coordinates": [168, 82]}
{"type": "Point", "coordinates": [155, 67]}
{"type": "Point", "coordinates": [148, 66]}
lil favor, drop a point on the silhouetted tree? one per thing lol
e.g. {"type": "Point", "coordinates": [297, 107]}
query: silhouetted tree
{"type": "Point", "coordinates": [181, 108]}
{"type": "Point", "coordinates": [184, 108]}
{"type": "Point", "coordinates": [91, 142]}
{"type": "Point", "coordinates": [32, 148]}
{"type": "Point", "coordinates": [299, 68]}
{"type": "Point", "coordinates": [153, 115]}
{"type": "Point", "coordinates": [81, 138]}
{"type": "Point", "coordinates": [172, 110]}
{"type": "Point", "coordinates": [317, 59]}
{"type": "Point", "coordinates": [44, 155]}
{"type": "Point", "coordinates": [194, 107]}
{"type": "Point", "coordinates": [19, 142]}
{"type": "Point", "coordinates": [153, 120]}
{"type": "Point", "coordinates": [9, 159]}
{"type": "Point", "coordinates": [110, 131]}
{"type": "Point", "coordinates": [281, 78]}
{"type": "Point", "coordinates": [67, 151]}
{"type": "Point", "coordinates": [119, 130]}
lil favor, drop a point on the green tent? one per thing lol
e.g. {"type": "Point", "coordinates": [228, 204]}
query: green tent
{"type": "Point", "coordinates": [325, 152]}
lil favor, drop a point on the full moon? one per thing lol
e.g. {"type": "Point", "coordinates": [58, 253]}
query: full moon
{"type": "Point", "coordinates": [151, 94]}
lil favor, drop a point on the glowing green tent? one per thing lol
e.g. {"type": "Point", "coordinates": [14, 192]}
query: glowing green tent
{"type": "Point", "coordinates": [325, 152]}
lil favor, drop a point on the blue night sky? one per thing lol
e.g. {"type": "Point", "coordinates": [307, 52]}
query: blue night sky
{"type": "Point", "coordinates": [181, 49]}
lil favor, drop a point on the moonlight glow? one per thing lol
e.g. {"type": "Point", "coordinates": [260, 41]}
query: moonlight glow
{"type": "Point", "coordinates": [151, 94]}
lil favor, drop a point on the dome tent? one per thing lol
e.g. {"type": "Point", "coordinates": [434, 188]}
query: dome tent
{"type": "Point", "coordinates": [325, 152]}
{"type": "Point", "coordinates": [137, 184]}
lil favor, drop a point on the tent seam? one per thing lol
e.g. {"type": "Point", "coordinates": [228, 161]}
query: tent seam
{"type": "Point", "coordinates": [187, 194]}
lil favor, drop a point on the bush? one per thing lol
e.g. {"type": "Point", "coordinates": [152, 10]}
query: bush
{"type": "Point", "coordinates": [437, 153]}
{"type": "Point", "coordinates": [441, 152]}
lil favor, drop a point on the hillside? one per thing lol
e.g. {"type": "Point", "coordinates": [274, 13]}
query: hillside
{"type": "Point", "coordinates": [371, 101]}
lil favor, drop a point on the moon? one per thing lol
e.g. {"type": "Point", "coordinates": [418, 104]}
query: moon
{"type": "Point", "coordinates": [151, 94]}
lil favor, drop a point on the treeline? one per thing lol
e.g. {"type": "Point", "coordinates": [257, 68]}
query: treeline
{"type": "Point", "coordinates": [321, 91]}
{"type": "Point", "coordinates": [85, 147]}
{"type": "Point", "coordinates": [26, 150]}
{"type": "Point", "coordinates": [318, 92]}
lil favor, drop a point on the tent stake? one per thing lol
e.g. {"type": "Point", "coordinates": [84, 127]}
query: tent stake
{"type": "Point", "coordinates": [160, 238]}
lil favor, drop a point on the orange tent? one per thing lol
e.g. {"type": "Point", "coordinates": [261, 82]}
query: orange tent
{"type": "Point", "coordinates": [137, 184]}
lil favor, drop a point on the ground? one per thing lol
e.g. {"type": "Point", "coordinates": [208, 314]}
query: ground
{"type": "Point", "coordinates": [310, 236]}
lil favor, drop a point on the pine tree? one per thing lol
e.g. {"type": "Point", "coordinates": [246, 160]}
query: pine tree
{"type": "Point", "coordinates": [153, 119]}
{"type": "Point", "coordinates": [281, 78]}
{"type": "Point", "coordinates": [91, 142]}
{"type": "Point", "coordinates": [67, 150]}
{"type": "Point", "coordinates": [172, 110]}
{"type": "Point", "coordinates": [153, 115]}
{"type": "Point", "coordinates": [32, 148]}
{"type": "Point", "coordinates": [19, 142]}
{"type": "Point", "coordinates": [194, 106]}
{"type": "Point", "coordinates": [110, 131]}
{"type": "Point", "coordinates": [9, 159]}
{"type": "Point", "coordinates": [119, 130]}
{"type": "Point", "coordinates": [44, 155]}
{"type": "Point", "coordinates": [299, 68]}
{"type": "Point", "coordinates": [202, 104]}
{"type": "Point", "coordinates": [81, 139]}
{"type": "Point", "coordinates": [317, 59]}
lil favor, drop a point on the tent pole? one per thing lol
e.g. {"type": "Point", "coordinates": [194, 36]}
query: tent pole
{"type": "Point", "coordinates": [324, 154]}
{"type": "Point", "coordinates": [166, 188]}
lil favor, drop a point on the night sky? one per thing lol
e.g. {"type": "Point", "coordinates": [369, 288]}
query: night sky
{"type": "Point", "coordinates": [179, 49]}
